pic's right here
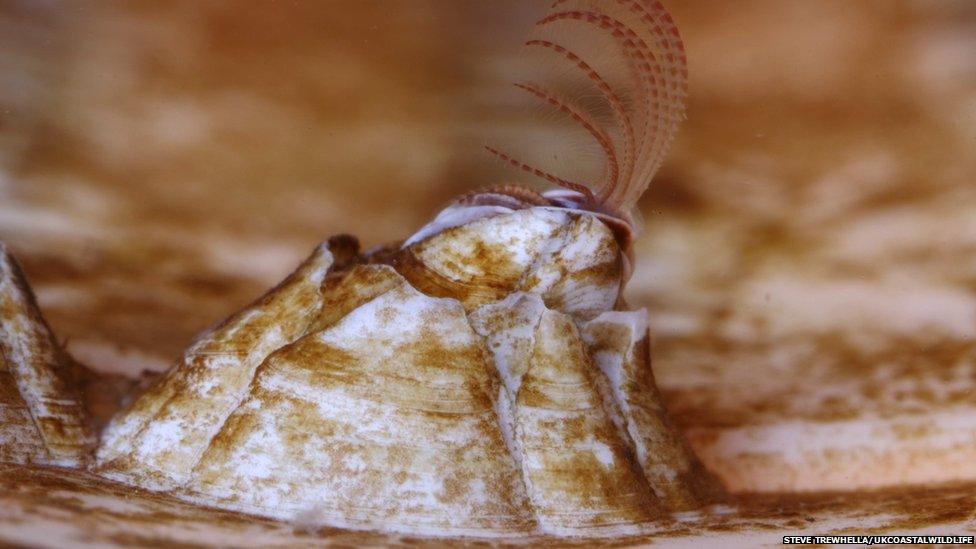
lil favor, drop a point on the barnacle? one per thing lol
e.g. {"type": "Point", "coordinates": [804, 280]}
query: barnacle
{"type": "Point", "coordinates": [484, 377]}
{"type": "Point", "coordinates": [42, 418]}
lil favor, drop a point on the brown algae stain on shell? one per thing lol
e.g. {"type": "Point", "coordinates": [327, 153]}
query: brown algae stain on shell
{"type": "Point", "coordinates": [579, 271]}
{"type": "Point", "coordinates": [619, 346]}
{"type": "Point", "coordinates": [42, 418]}
{"type": "Point", "coordinates": [479, 262]}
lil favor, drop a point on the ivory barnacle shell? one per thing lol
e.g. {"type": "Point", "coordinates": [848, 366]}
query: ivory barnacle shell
{"type": "Point", "coordinates": [476, 386]}
{"type": "Point", "coordinates": [382, 420]}
{"type": "Point", "coordinates": [42, 420]}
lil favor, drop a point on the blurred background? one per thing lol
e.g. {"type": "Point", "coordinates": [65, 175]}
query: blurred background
{"type": "Point", "coordinates": [809, 250]}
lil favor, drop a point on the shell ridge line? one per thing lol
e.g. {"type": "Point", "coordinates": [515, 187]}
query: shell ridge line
{"type": "Point", "coordinates": [547, 249]}
{"type": "Point", "coordinates": [563, 328]}
{"type": "Point", "coordinates": [612, 375]}
{"type": "Point", "coordinates": [580, 225]}
{"type": "Point", "coordinates": [518, 429]}
{"type": "Point", "coordinates": [253, 309]}
{"type": "Point", "coordinates": [672, 470]}
{"type": "Point", "coordinates": [141, 432]}
{"type": "Point", "coordinates": [256, 380]}
{"type": "Point", "coordinates": [24, 447]}
{"type": "Point", "coordinates": [452, 307]}
{"type": "Point", "coordinates": [442, 277]}
{"type": "Point", "coordinates": [518, 449]}
{"type": "Point", "coordinates": [610, 384]}
{"type": "Point", "coordinates": [506, 407]}
{"type": "Point", "coordinates": [282, 378]}
{"type": "Point", "coordinates": [115, 432]}
{"type": "Point", "coordinates": [7, 278]}
{"type": "Point", "coordinates": [613, 407]}
{"type": "Point", "coordinates": [365, 296]}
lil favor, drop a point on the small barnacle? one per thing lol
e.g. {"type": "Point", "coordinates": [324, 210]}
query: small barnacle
{"type": "Point", "coordinates": [42, 418]}
{"type": "Point", "coordinates": [483, 377]}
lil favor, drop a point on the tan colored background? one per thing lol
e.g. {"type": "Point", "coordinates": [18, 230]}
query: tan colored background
{"type": "Point", "coordinates": [809, 254]}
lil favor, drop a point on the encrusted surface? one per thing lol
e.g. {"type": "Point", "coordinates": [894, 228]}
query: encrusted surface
{"type": "Point", "coordinates": [383, 420]}
{"type": "Point", "coordinates": [618, 343]}
{"type": "Point", "coordinates": [579, 473]}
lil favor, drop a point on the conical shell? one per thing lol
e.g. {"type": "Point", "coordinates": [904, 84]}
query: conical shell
{"type": "Point", "coordinates": [475, 380]}
{"type": "Point", "coordinates": [42, 419]}
{"type": "Point", "coordinates": [349, 396]}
